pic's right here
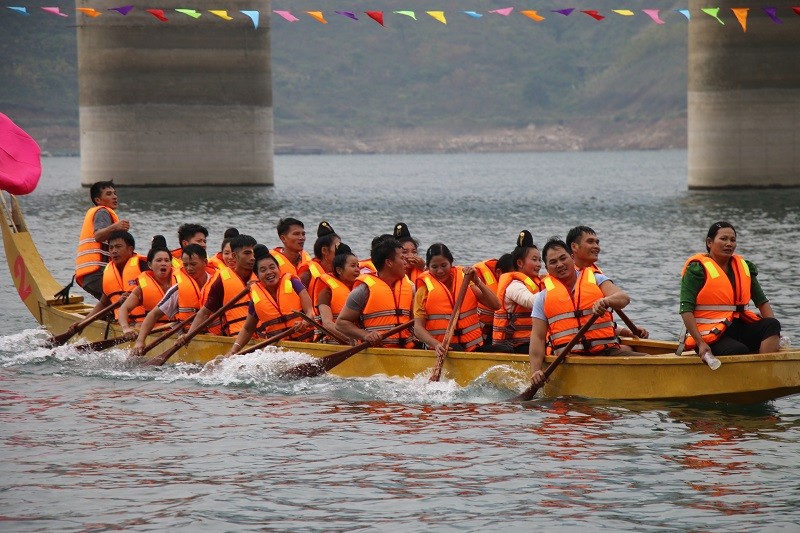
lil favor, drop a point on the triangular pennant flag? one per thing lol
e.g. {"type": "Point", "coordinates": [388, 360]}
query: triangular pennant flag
{"type": "Point", "coordinates": [254, 16]}
{"type": "Point", "coordinates": [221, 13]}
{"type": "Point", "coordinates": [318, 16]}
{"type": "Point", "coordinates": [796, 10]}
{"type": "Point", "coordinates": [55, 11]}
{"type": "Point", "coordinates": [565, 12]}
{"type": "Point", "coordinates": [23, 10]}
{"type": "Point", "coordinates": [772, 13]}
{"type": "Point", "coordinates": [653, 14]}
{"type": "Point", "coordinates": [533, 15]}
{"type": "Point", "coordinates": [122, 10]}
{"type": "Point", "coordinates": [377, 16]}
{"type": "Point", "coordinates": [88, 11]}
{"type": "Point", "coordinates": [685, 13]}
{"type": "Point", "coordinates": [286, 15]}
{"type": "Point", "coordinates": [623, 12]}
{"type": "Point", "coordinates": [594, 14]}
{"type": "Point", "coordinates": [190, 12]}
{"type": "Point", "coordinates": [506, 11]}
{"type": "Point", "coordinates": [158, 13]}
{"type": "Point", "coordinates": [438, 15]}
{"type": "Point", "coordinates": [713, 12]}
{"type": "Point", "coordinates": [741, 16]}
{"type": "Point", "coordinates": [473, 14]}
{"type": "Point", "coordinates": [409, 14]}
{"type": "Point", "coordinates": [348, 14]}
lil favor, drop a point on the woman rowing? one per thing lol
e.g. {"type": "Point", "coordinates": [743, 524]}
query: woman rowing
{"type": "Point", "coordinates": [322, 262]}
{"type": "Point", "coordinates": [511, 329]}
{"type": "Point", "coordinates": [274, 300]}
{"type": "Point", "coordinates": [716, 288]}
{"type": "Point", "coordinates": [225, 257]}
{"type": "Point", "coordinates": [151, 286]}
{"type": "Point", "coordinates": [435, 298]}
{"type": "Point", "coordinates": [333, 289]}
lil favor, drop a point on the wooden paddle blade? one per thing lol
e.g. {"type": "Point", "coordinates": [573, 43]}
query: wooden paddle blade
{"type": "Point", "coordinates": [105, 344]}
{"type": "Point", "coordinates": [162, 358]}
{"type": "Point", "coordinates": [58, 340]}
{"type": "Point", "coordinates": [527, 395]}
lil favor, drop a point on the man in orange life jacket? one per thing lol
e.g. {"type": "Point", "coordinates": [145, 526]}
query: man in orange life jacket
{"type": "Point", "coordinates": [184, 298]}
{"type": "Point", "coordinates": [225, 287]}
{"type": "Point", "coordinates": [189, 234]}
{"type": "Point", "coordinates": [569, 297]}
{"type": "Point", "coordinates": [99, 222]}
{"type": "Point", "coordinates": [584, 245]}
{"type": "Point", "coordinates": [379, 302]}
{"type": "Point", "coordinates": [292, 234]}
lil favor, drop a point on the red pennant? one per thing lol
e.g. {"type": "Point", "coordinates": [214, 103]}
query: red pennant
{"type": "Point", "coordinates": [796, 10]}
{"type": "Point", "coordinates": [377, 16]}
{"type": "Point", "coordinates": [594, 14]}
{"type": "Point", "coordinates": [158, 13]}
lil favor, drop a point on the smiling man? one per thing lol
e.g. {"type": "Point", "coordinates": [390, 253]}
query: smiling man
{"type": "Point", "coordinates": [584, 245]}
{"type": "Point", "coordinates": [292, 234]}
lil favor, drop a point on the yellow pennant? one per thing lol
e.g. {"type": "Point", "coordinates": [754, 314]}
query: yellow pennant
{"type": "Point", "coordinates": [221, 13]}
{"type": "Point", "coordinates": [318, 16]}
{"type": "Point", "coordinates": [623, 12]}
{"type": "Point", "coordinates": [438, 15]}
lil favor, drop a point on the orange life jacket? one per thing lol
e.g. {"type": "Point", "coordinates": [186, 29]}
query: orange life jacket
{"type": "Point", "coordinates": [439, 307]}
{"type": "Point", "coordinates": [513, 327]}
{"type": "Point", "coordinates": [339, 293]}
{"type": "Point", "coordinates": [387, 307]}
{"type": "Point", "coordinates": [486, 271]}
{"type": "Point", "coordinates": [115, 284]}
{"type": "Point", "coordinates": [275, 315]}
{"type": "Point", "coordinates": [316, 269]}
{"type": "Point", "coordinates": [216, 261]}
{"type": "Point", "coordinates": [284, 265]}
{"type": "Point", "coordinates": [366, 266]}
{"type": "Point", "coordinates": [566, 313]}
{"type": "Point", "coordinates": [233, 319]}
{"type": "Point", "coordinates": [718, 302]}
{"type": "Point", "coordinates": [91, 255]}
{"type": "Point", "coordinates": [415, 274]}
{"type": "Point", "coordinates": [152, 293]}
{"type": "Point", "coordinates": [190, 294]}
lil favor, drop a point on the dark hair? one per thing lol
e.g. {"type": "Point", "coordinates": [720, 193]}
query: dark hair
{"type": "Point", "coordinates": [383, 248]}
{"type": "Point", "coordinates": [195, 249]}
{"type": "Point", "coordinates": [520, 253]}
{"type": "Point", "coordinates": [285, 223]}
{"type": "Point", "coordinates": [435, 249]}
{"type": "Point", "coordinates": [505, 264]}
{"type": "Point", "coordinates": [158, 241]}
{"type": "Point", "coordinates": [343, 252]}
{"type": "Point", "coordinates": [187, 231]}
{"type": "Point", "coordinates": [404, 240]}
{"type": "Point", "coordinates": [554, 242]}
{"type": "Point", "coordinates": [323, 242]}
{"type": "Point", "coordinates": [153, 251]}
{"type": "Point", "coordinates": [574, 235]}
{"type": "Point", "coordinates": [242, 241]}
{"type": "Point", "coordinates": [98, 187]}
{"type": "Point", "coordinates": [124, 235]}
{"type": "Point", "coordinates": [714, 229]}
{"type": "Point", "coordinates": [230, 233]}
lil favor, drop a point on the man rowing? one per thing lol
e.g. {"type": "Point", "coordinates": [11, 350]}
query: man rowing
{"type": "Point", "coordinates": [98, 224]}
{"type": "Point", "coordinates": [568, 298]}
{"type": "Point", "coordinates": [292, 234]}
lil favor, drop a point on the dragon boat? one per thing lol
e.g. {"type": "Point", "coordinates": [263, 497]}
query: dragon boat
{"type": "Point", "coordinates": [662, 375]}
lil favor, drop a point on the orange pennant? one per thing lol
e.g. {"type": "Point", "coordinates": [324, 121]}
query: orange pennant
{"type": "Point", "coordinates": [741, 16]}
{"type": "Point", "coordinates": [88, 11]}
{"type": "Point", "coordinates": [533, 15]}
{"type": "Point", "coordinates": [318, 16]}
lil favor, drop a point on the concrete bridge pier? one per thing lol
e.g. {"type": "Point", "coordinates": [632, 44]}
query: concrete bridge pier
{"type": "Point", "coordinates": [744, 99]}
{"type": "Point", "coordinates": [184, 102]}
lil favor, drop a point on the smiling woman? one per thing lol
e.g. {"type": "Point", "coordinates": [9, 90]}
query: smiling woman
{"type": "Point", "coordinates": [714, 306]}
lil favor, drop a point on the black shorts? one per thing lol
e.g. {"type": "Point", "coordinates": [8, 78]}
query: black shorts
{"type": "Point", "coordinates": [742, 337]}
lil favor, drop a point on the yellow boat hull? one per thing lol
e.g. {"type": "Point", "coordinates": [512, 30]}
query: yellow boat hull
{"type": "Point", "coordinates": [743, 379]}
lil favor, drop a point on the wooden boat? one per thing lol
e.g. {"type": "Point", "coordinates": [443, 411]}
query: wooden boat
{"type": "Point", "coordinates": [661, 376]}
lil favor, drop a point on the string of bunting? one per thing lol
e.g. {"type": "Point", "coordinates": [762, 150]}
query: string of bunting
{"type": "Point", "coordinates": [655, 15]}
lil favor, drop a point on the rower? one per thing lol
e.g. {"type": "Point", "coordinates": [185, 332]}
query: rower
{"type": "Point", "coordinates": [188, 234]}
{"type": "Point", "coordinates": [415, 265]}
{"type": "Point", "coordinates": [511, 327]}
{"type": "Point", "coordinates": [380, 302]}
{"type": "Point", "coordinates": [489, 271]}
{"type": "Point", "coordinates": [324, 252]}
{"type": "Point", "coordinates": [92, 255]}
{"type": "Point", "coordinates": [570, 293]}
{"type": "Point", "coordinates": [292, 234]}
{"type": "Point", "coordinates": [224, 258]}
{"type": "Point", "coordinates": [184, 298]}
{"type": "Point", "coordinates": [150, 286]}
{"type": "Point", "coordinates": [274, 299]}
{"type": "Point", "coordinates": [229, 283]}
{"type": "Point", "coordinates": [332, 290]}
{"type": "Point", "coordinates": [584, 245]}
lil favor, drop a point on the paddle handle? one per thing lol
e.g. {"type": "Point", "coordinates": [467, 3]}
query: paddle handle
{"type": "Point", "coordinates": [169, 333]}
{"type": "Point", "coordinates": [272, 340]}
{"type": "Point", "coordinates": [109, 343]}
{"type": "Point", "coordinates": [326, 331]}
{"type": "Point", "coordinates": [162, 358]}
{"type": "Point", "coordinates": [58, 340]}
{"type": "Point", "coordinates": [628, 322]}
{"type": "Point", "coordinates": [451, 327]}
{"type": "Point", "coordinates": [529, 393]}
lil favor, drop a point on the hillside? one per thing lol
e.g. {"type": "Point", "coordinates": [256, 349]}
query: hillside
{"type": "Point", "coordinates": [495, 83]}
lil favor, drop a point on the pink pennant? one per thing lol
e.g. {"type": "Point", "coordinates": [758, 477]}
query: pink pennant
{"type": "Point", "coordinates": [594, 14]}
{"type": "Point", "coordinates": [55, 11]}
{"type": "Point", "coordinates": [506, 11]}
{"type": "Point", "coordinates": [772, 13]}
{"type": "Point", "coordinates": [653, 14]}
{"type": "Point", "coordinates": [287, 15]}
{"type": "Point", "coordinates": [122, 10]}
{"type": "Point", "coordinates": [158, 13]}
{"type": "Point", "coordinates": [20, 163]}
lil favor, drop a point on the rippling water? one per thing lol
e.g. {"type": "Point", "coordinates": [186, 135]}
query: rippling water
{"type": "Point", "coordinates": [89, 442]}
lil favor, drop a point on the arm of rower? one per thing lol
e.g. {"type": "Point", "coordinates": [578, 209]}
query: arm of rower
{"type": "Point", "coordinates": [324, 306]}
{"type": "Point", "coordinates": [485, 295]}
{"type": "Point", "coordinates": [305, 278]}
{"type": "Point", "coordinates": [245, 334]}
{"type": "Point", "coordinates": [101, 235]}
{"type": "Point", "coordinates": [131, 302]}
{"type": "Point", "coordinates": [536, 351]}
{"type": "Point", "coordinates": [147, 326]}
{"type": "Point", "coordinates": [308, 309]}
{"type": "Point", "coordinates": [424, 335]}
{"type": "Point", "coordinates": [104, 302]}
{"type": "Point", "coordinates": [346, 324]}
{"type": "Point", "coordinates": [691, 327]}
{"type": "Point", "coordinates": [199, 318]}
{"type": "Point", "coordinates": [518, 293]}
{"type": "Point", "coordinates": [766, 310]}
{"type": "Point", "coordinates": [613, 297]}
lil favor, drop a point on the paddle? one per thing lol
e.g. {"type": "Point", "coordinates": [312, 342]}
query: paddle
{"type": "Point", "coordinates": [97, 346]}
{"type": "Point", "coordinates": [324, 364]}
{"type": "Point", "coordinates": [162, 358]}
{"type": "Point", "coordinates": [529, 393]}
{"type": "Point", "coordinates": [271, 340]}
{"type": "Point", "coordinates": [168, 334]}
{"type": "Point", "coordinates": [58, 340]}
{"type": "Point", "coordinates": [326, 331]}
{"type": "Point", "coordinates": [628, 322]}
{"type": "Point", "coordinates": [462, 291]}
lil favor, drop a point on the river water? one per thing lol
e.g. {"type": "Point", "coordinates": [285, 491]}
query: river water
{"type": "Point", "coordinates": [89, 443]}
